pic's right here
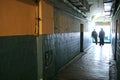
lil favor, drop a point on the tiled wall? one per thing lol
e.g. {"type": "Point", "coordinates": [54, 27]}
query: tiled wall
{"type": "Point", "coordinates": [61, 46]}
{"type": "Point", "coordinates": [18, 59]}
{"type": "Point", "coordinates": [67, 46]}
{"type": "Point", "coordinates": [58, 50]}
{"type": "Point", "coordinates": [87, 40]}
{"type": "Point", "coordinates": [48, 51]}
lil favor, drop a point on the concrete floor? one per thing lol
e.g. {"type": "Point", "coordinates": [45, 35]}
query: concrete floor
{"type": "Point", "coordinates": [94, 65]}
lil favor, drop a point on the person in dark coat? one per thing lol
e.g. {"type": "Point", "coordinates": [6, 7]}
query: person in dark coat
{"type": "Point", "coordinates": [101, 36]}
{"type": "Point", "coordinates": [94, 36]}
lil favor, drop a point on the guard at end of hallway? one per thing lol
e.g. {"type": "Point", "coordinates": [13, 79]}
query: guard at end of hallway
{"type": "Point", "coordinates": [94, 36]}
{"type": "Point", "coordinates": [101, 36]}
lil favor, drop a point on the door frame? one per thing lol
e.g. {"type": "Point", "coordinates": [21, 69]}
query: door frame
{"type": "Point", "coordinates": [81, 37]}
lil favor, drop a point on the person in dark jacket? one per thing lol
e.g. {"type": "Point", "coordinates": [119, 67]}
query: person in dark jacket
{"type": "Point", "coordinates": [101, 36]}
{"type": "Point", "coordinates": [94, 36]}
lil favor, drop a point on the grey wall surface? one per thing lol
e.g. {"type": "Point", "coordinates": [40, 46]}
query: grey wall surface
{"type": "Point", "coordinates": [116, 38]}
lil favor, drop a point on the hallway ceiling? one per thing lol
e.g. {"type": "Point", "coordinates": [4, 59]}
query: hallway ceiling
{"type": "Point", "coordinates": [101, 10]}
{"type": "Point", "coordinates": [97, 10]}
{"type": "Point", "coordinates": [80, 4]}
{"type": "Point", "coordinates": [107, 6]}
{"type": "Point", "coordinates": [103, 5]}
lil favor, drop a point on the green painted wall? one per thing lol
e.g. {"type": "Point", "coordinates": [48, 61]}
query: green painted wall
{"type": "Point", "coordinates": [18, 58]}
{"type": "Point", "coordinates": [57, 50]}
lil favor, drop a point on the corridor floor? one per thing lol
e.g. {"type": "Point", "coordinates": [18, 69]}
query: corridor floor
{"type": "Point", "coordinates": [93, 65]}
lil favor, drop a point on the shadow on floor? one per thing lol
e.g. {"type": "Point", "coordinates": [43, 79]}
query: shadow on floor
{"type": "Point", "coordinates": [96, 64]}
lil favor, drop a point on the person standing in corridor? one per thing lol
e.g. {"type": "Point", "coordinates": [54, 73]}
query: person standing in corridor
{"type": "Point", "coordinates": [101, 36]}
{"type": "Point", "coordinates": [94, 36]}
